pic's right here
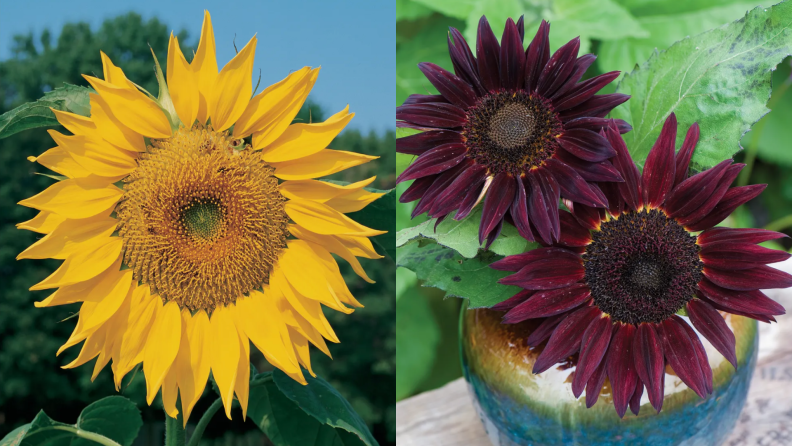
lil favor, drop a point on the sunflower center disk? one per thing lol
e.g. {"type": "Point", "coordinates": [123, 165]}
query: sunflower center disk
{"type": "Point", "coordinates": [203, 223]}
{"type": "Point", "coordinates": [642, 267]}
{"type": "Point", "coordinates": [511, 131]}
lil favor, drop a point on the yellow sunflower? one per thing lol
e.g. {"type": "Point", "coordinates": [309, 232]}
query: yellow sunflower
{"type": "Point", "coordinates": [192, 223]}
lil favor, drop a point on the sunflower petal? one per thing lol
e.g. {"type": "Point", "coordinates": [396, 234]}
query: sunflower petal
{"type": "Point", "coordinates": [233, 88]}
{"type": "Point", "coordinates": [224, 353]}
{"type": "Point", "coordinates": [59, 160]}
{"type": "Point", "coordinates": [74, 199]}
{"type": "Point", "coordinates": [111, 129]}
{"type": "Point", "coordinates": [332, 244]}
{"type": "Point", "coordinates": [196, 371]}
{"type": "Point", "coordinates": [301, 140]}
{"type": "Point", "coordinates": [322, 219]}
{"type": "Point", "coordinates": [133, 108]}
{"type": "Point", "coordinates": [44, 222]}
{"type": "Point", "coordinates": [181, 84]}
{"type": "Point", "coordinates": [161, 347]}
{"type": "Point", "coordinates": [84, 265]}
{"type": "Point", "coordinates": [204, 67]}
{"type": "Point", "coordinates": [322, 163]}
{"type": "Point", "coordinates": [272, 110]}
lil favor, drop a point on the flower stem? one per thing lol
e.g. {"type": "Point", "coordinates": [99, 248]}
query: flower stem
{"type": "Point", "coordinates": [101, 439]}
{"type": "Point", "coordinates": [195, 438]}
{"type": "Point", "coordinates": [174, 430]}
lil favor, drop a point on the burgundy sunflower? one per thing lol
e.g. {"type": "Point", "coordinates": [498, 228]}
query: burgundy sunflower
{"type": "Point", "coordinates": [515, 126]}
{"type": "Point", "coordinates": [612, 286]}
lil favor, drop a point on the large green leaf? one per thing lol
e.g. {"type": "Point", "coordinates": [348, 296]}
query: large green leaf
{"type": "Point", "coordinates": [462, 236]}
{"type": "Point", "coordinates": [285, 424]}
{"type": "Point", "coordinates": [322, 402]}
{"type": "Point", "coordinates": [444, 268]}
{"type": "Point", "coordinates": [38, 114]}
{"type": "Point", "coordinates": [411, 10]}
{"type": "Point", "coordinates": [381, 215]}
{"type": "Point", "coordinates": [416, 341]}
{"type": "Point", "coordinates": [720, 79]}
{"type": "Point", "coordinates": [115, 418]}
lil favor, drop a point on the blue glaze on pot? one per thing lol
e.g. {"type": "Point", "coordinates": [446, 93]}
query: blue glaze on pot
{"type": "Point", "coordinates": [519, 408]}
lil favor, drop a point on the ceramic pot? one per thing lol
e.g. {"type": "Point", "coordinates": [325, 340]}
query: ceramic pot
{"type": "Point", "coordinates": [520, 408]}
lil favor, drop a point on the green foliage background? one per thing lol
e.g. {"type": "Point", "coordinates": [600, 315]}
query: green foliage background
{"type": "Point", "coordinates": [30, 373]}
{"type": "Point", "coordinates": [622, 33]}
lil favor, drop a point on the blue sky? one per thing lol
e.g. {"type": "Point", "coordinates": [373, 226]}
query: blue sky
{"type": "Point", "coordinates": [352, 40]}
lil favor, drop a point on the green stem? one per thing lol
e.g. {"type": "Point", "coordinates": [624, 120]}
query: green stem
{"type": "Point", "coordinates": [780, 224]}
{"type": "Point", "coordinates": [101, 439]}
{"type": "Point", "coordinates": [204, 421]}
{"type": "Point", "coordinates": [174, 430]}
{"type": "Point", "coordinates": [753, 147]}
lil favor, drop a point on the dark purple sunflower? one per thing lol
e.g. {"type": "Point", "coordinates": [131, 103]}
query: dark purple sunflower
{"type": "Point", "coordinates": [612, 286]}
{"type": "Point", "coordinates": [515, 126]}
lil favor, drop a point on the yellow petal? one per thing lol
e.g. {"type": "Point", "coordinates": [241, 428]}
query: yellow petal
{"type": "Point", "coordinates": [266, 330]}
{"type": "Point", "coordinates": [93, 345]}
{"type": "Point", "coordinates": [181, 84]}
{"type": "Point", "coordinates": [300, 344]}
{"type": "Point", "coordinates": [333, 245]}
{"type": "Point", "coordinates": [59, 160]}
{"type": "Point", "coordinates": [70, 237]}
{"type": "Point", "coordinates": [322, 219]}
{"type": "Point", "coordinates": [84, 265]}
{"type": "Point", "coordinates": [354, 201]}
{"type": "Point", "coordinates": [176, 379]}
{"type": "Point", "coordinates": [242, 385]}
{"type": "Point", "coordinates": [113, 74]}
{"type": "Point", "coordinates": [320, 191]}
{"type": "Point", "coordinates": [310, 309]}
{"type": "Point", "coordinates": [324, 162]}
{"type": "Point", "coordinates": [161, 347]}
{"type": "Point", "coordinates": [96, 156]}
{"type": "Point", "coordinates": [359, 246]}
{"type": "Point", "coordinates": [306, 275]}
{"type": "Point", "coordinates": [271, 111]}
{"type": "Point", "coordinates": [198, 327]}
{"type": "Point", "coordinates": [204, 65]}
{"type": "Point", "coordinates": [333, 274]}
{"type": "Point", "coordinates": [79, 125]}
{"type": "Point", "coordinates": [142, 314]}
{"type": "Point", "coordinates": [301, 140]}
{"type": "Point", "coordinates": [296, 322]}
{"type": "Point", "coordinates": [75, 199]}
{"type": "Point", "coordinates": [112, 291]}
{"type": "Point", "coordinates": [233, 88]}
{"type": "Point", "coordinates": [93, 290]}
{"type": "Point", "coordinates": [225, 354]}
{"type": "Point", "coordinates": [136, 110]}
{"type": "Point", "coordinates": [44, 222]}
{"type": "Point", "coordinates": [111, 129]}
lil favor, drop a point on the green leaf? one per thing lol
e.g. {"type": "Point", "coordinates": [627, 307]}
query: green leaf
{"type": "Point", "coordinates": [462, 236]}
{"type": "Point", "coordinates": [720, 79]}
{"type": "Point", "coordinates": [664, 7]}
{"type": "Point", "coordinates": [381, 215]}
{"type": "Point", "coordinates": [664, 30]}
{"type": "Point", "coordinates": [405, 281]}
{"type": "Point", "coordinates": [322, 402]}
{"type": "Point", "coordinates": [38, 114]}
{"type": "Point", "coordinates": [411, 10]}
{"type": "Point", "coordinates": [417, 339]}
{"type": "Point", "coordinates": [772, 131]}
{"type": "Point", "coordinates": [285, 424]}
{"type": "Point", "coordinates": [453, 8]}
{"type": "Point", "coordinates": [115, 418]}
{"type": "Point", "coordinates": [444, 268]}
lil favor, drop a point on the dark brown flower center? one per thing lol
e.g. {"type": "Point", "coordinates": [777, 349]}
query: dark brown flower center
{"type": "Point", "coordinates": [512, 131]}
{"type": "Point", "coordinates": [642, 267]}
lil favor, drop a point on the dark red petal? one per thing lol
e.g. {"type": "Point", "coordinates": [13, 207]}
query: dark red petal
{"type": "Point", "coordinates": [512, 58]}
{"type": "Point", "coordinates": [691, 194]}
{"type": "Point", "coordinates": [419, 143]}
{"type": "Point", "coordinates": [474, 196]}
{"type": "Point", "coordinates": [513, 301]}
{"type": "Point", "coordinates": [728, 255]}
{"type": "Point", "coordinates": [717, 195]}
{"type": "Point", "coordinates": [586, 145]}
{"type": "Point", "coordinates": [597, 124]}
{"type": "Point", "coordinates": [598, 106]}
{"type": "Point", "coordinates": [635, 401]}
{"type": "Point", "coordinates": [457, 91]}
{"type": "Point", "coordinates": [594, 384]}
{"type": "Point", "coordinates": [566, 337]}
{"type": "Point", "coordinates": [547, 274]}
{"type": "Point", "coordinates": [761, 277]}
{"type": "Point", "coordinates": [541, 207]}
{"type": "Point", "coordinates": [496, 204]}
{"type": "Point", "coordinates": [417, 189]}
{"type": "Point", "coordinates": [451, 198]}
{"type": "Point", "coordinates": [616, 203]}
{"type": "Point", "coordinates": [759, 317]}
{"type": "Point", "coordinates": [753, 301]}
{"type": "Point", "coordinates": [621, 367]}
{"type": "Point", "coordinates": [650, 363]}
{"type": "Point", "coordinates": [434, 161]}
{"type": "Point", "coordinates": [600, 172]}
{"type": "Point", "coordinates": [549, 303]}
{"type": "Point", "coordinates": [658, 173]}
{"type": "Point", "coordinates": [545, 329]}
{"type": "Point", "coordinates": [424, 99]}
{"type": "Point", "coordinates": [734, 198]}
{"type": "Point", "coordinates": [493, 234]}
{"type": "Point", "coordinates": [573, 186]}
{"type": "Point", "coordinates": [552, 194]}
{"type": "Point", "coordinates": [521, 29]}
{"type": "Point", "coordinates": [558, 68]}
{"type": "Point", "coordinates": [432, 115]}
{"type": "Point", "coordinates": [537, 55]}
{"type": "Point", "coordinates": [685, 153]}
{"type": "Point", "coordinates": [438, 186]}
{"type": "Point", "coordinates": [681, 355]}
{"type": "Point", "coordinates": [584, 91]}
{"type": "Point", "coordinates": [737, 235]}
{"type": "Point", "coordinates": [630, 189]}
{"type": "Point", "coordinates": [465, 65]}
{"type": "Point", "coordinates": [711, 325]}
{"type": "Point", "coordinates": [519, 211]}
{"type": "Point", "coordinates": [701, 353]}
{"type": "Point", "coordinates": [593, 347]}
{"type": "Point", "coordinates": [572, 234]}
{"type": "Point", "coordinates": [488, 53]}
{"type": "Point", "coordinates": [581, 65]}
